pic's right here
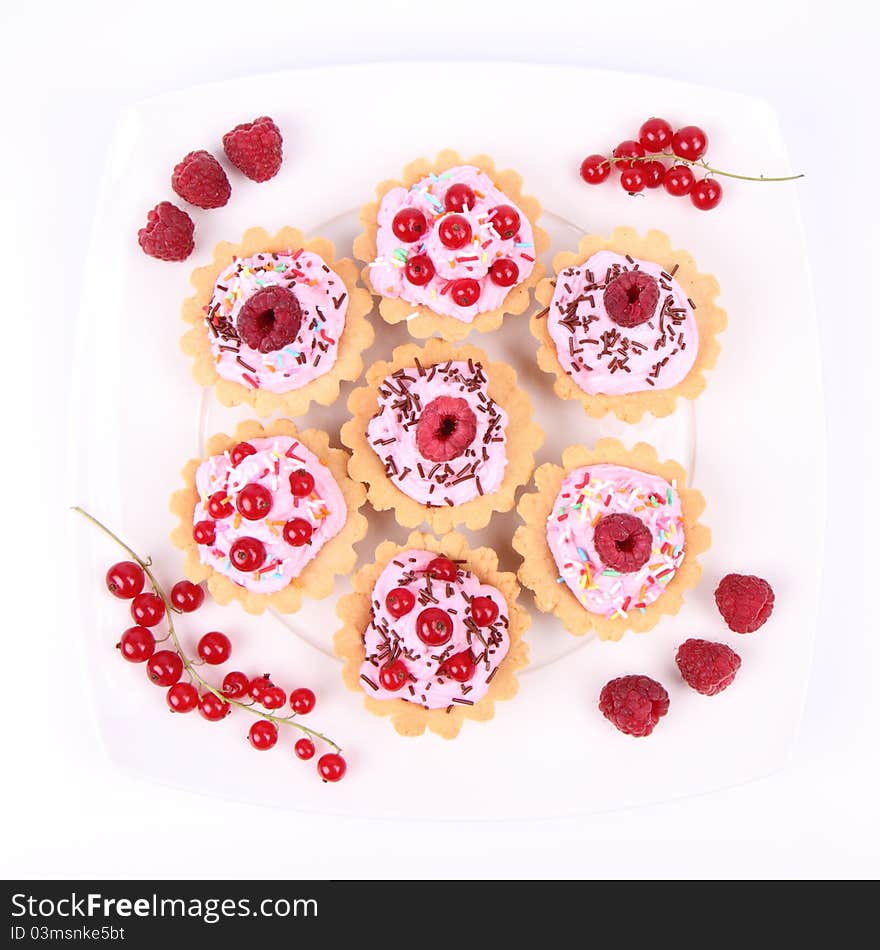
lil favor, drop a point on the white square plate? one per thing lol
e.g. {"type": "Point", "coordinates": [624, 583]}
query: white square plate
{"type": "Point", "coordinates": [753, 442]}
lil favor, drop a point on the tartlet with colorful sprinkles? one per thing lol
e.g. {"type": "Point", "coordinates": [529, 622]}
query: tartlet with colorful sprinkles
{"type": "Point", "coordinates": [440, 434]}
{"type": "Point", "coordinates": [452, 247]}
{"type": "Point", "coordinates": [277, 322]}
{"type": "Point", "coordinates": [629, 325]}
{"type": "Point", "coordinates": [611, 538]}
{"type": "Point", "coordinates": [432, 634]}
{"type": "Point", "coordinates": [268, 516]}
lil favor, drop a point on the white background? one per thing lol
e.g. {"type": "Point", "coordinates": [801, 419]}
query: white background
{"type": "Point", "coordinates": [65, 75]}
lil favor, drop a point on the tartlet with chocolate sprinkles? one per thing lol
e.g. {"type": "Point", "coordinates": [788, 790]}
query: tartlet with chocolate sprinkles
{"type": "Point", "coordinates": [452, 246]}
{"type": "Point", "coordinates": [432, 634]}
{"type": "Point", "coordinates": [628, 325]}
{"type": "Point", "coordinates": [611, 538]}
{"type": "Point", "coordinates": [441, 435]}
{"type": "Point", "coordinates": [276, 322]}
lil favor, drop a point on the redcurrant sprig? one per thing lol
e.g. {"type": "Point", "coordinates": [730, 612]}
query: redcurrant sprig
{"type": "Point", "coordinates": [640, 165]}
{"type": "Point", "coordinates": [126, 581]}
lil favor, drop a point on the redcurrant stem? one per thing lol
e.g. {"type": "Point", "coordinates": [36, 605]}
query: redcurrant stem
{"type": "Point", "coordinates": [690, 161]}
{"type": "Point", "coordinates": [188, 664]}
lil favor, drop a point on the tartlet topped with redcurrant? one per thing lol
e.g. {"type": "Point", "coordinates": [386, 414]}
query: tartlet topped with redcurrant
{"type": "Point", "coordinates": [268, 516]}
{"type": "Point", "coordinates": [432, 634]}
{"type": "Point", "coordinates": [452, 247]}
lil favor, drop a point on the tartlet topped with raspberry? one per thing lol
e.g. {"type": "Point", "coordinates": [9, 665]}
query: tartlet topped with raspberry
{"type": "Point", "coordinates": [432, 634]}
{"type": "Point", "coordinates": [277, 322]}
{"type": "Point", "coordinates": [629, 325]}
{"type": "Point", "coordinates": [451, 247]}
{"type": "Point", "coordinates": [268, 515]}
{"type": "Point", "coordinates": [440, 434]}
{"type": "Point", "coordinates": [610, 539]}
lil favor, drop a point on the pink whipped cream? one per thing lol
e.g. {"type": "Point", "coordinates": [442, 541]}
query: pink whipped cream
{"type": "Point", "coordinates": [271, 465]}
{"type": "Point", "coordinates": [587, 495]}
{"type": "Point", "coordinates": [603, 357]}
{"type": "Point", "coordinates": [323, 297]}
{"type": "Point", "coordinates": [420, 670]}
{"type": "Point", "coordinates": [388, 271]}
{"type": "Point", "coordinates": [392, 433]}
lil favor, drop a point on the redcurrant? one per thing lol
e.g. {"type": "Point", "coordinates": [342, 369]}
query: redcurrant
{"type": "Point", "coordinates": [399, 602]}
{"type": "Point", "coordinates": [136, 644]}
{"type": "Point", "coordinates": [678, 180]}
{"type": "Point", "coordinates": [409, 225]}
{"type": "Point", "coordinates": [459, 197]}
{"type": "Point", "coordinates": [304, 748]}
{"type": "Point", "coordinates": [628, 150]}
{"type": "Point", "coordinates": [690, 142]}
{"type": "Point", "coordinates": [505, 219]}
{"type": "Point", "coordinates": [655, 135]}
{"type": "Point", "coordinates": [419, 269]}
{"type": "Point", "coordinates": [331, 767]}
{"type": "Point", "coordinates": [273, 698]}
{"type": "Point", "coordinates": [632, 180]}
{"type": "Point", "coordinates": [434, 626]}
{"type": "Point", "coordinates": [235, 684]}
{"type": "Point", "coordinates": [215, 648]}
{"type": "Point", "coordinates": [653, 172]}
{"type": "Point", "coordinates": [465, 291]}
{"type": "Point", "coordinates": [205, 532]}
{"type": "Point", "coordinates": [484, 610]}
{"type": "Point", "coordinates": [182, 698]}
{"type": "Point", "coordinates": [706, 194]}
{"type": "Point", "coordinates": [442, 569]}
{"type": "Point", "coordinates": [241, 452]}
{"type": "Point", "coordinates": [165, 667]}
{"type": "Point", "coordinates": [125, 580]}
{"type": "Point", "coordinates": [220, 505]}
{"type": "Point", "coordinates": [258, 686]}
{"type": "Point", "coordinates": [147, 609]}
{"type": "Point", "coordinates": [302, 701]}
{"type": "Point", "coordinates": [187, 597]}
{"type": "Point", "coordinates": [302, 483]}
{"type": "Point", "coordinates": [504, 272]}
{"type": "Point", "coordinates": [297, 532]}
{"type": "Point", "coordinates": [263, 734]}
{"type": "Point", "coordinates": [595, 169]}
{"type": "Point", "coordinates": [254, 501]}
{"type": "Point", "coordinates": [213, 708]}
{"type": "Point", "coordinates": [247, 554]}
{"type": "Point", "coordinates": [460, 667]}
{"type": "Point", "coordinates": [455, 231]}
{"type": "Point", "coordinates": [393, 677]}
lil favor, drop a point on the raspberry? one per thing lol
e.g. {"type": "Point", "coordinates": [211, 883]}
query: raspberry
{"type": "Point", "coordinates": [446, 428]}
{"type": "Point", "coordinates": [623, 542]}
{"type": "Point", "coordinates": [200, 180]}
{"type": "Point", "coordinates": [168, 233]}
{"type": "Point", "coordinates": [269, 319]}
{"type": "Point", "coordinates": [631, 298]}
{"type": "Point", "coordinates": [634, 704]}
{"type": "Point", "coordinates": [707, 667]}
{"type": "Point", "coordinates": [744, 601]}
{"type": "Point", "coordinates": [255, 148]}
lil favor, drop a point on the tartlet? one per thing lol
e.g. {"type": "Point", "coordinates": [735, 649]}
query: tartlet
{"type": "Point", "coordinates": [277, 322]}
{"type": "Point", "coordinates": [440, 434]}
{"type": "Point", "coordinates": [629, 325]}
{"type": "Point", "coordinates": [268, 516]}
{"type": "Point", "coordinates": [611, 538]}
{"type": "Point", "coordinates": [432, 634]}
{"type": "Point", "coordinates": [452, 247]}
